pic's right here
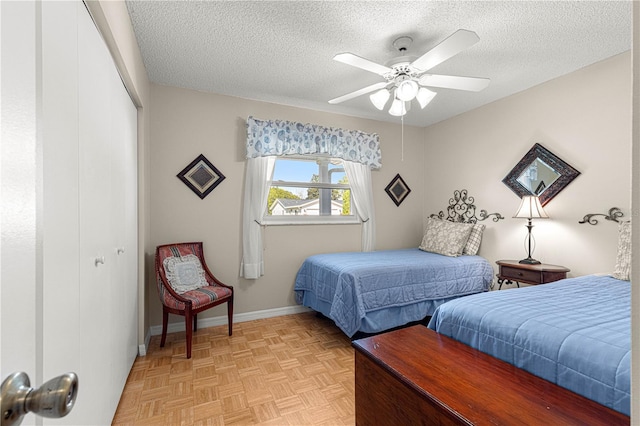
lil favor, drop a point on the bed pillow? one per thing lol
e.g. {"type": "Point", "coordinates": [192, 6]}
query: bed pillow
{"type": "Point", "coordinates": [475, 238]}
{"type": "Point", "coordinates": [184, 273]}
{"type": "Point", "coordinates": [444, 237]}
{"type": "Point", "coordinates": [623, 258]}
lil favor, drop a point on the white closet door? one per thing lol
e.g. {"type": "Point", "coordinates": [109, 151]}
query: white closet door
{"type": "Point", "coordinates": [124, 218]}
{"type": "Point", "coordinates": [69, 179]}
{"type": "Point", "coordinates": [95, 400]}
{"type": "Point", "coordinates": [108, 299]}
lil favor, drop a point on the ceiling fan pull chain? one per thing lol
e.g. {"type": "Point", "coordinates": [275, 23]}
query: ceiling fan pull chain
{"type": "Point", "coordinates": [402, 137]}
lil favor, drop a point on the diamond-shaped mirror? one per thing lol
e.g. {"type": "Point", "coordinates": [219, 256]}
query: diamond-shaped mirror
{"type": "Point", "coordinates": [541, 173]}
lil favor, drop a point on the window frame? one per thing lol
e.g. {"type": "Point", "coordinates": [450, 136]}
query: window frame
{"type": "Point", "coordinates": [353, 218]}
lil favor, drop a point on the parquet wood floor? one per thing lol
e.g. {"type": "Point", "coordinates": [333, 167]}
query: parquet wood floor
{"type": "Point", "coordinates": [288, 370]}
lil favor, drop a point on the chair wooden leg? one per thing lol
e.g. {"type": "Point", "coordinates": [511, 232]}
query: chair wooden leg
{"type": "Point", "coordinates": [230, 315]}
{"type": "Point", "coordinates": [195, 322]}
{"type": "Point", "coordinates": [165, 321]}
{"type": "Point", "coordinates": [188, 320]}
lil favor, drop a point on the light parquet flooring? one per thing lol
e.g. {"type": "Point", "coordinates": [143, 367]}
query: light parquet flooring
{"type": "Point", "coordinates": [288, 370]}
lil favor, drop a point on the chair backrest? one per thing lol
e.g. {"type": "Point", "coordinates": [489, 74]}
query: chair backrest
{"type": "Point", "coordinates": [170, 250]}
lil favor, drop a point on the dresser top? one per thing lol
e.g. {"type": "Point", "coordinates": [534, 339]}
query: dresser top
{"type": "Point", "coordinates": [474, 387]}
{"type": "Point", "coordinates": [542, 267]}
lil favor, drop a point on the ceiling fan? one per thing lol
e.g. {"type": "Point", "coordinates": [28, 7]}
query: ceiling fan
{"type": "Point", "coordinates": [407, 78]}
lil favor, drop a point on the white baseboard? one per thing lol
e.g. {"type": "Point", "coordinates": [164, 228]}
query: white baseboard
{"type": "Point", "coordinates": [142, 349]}
{"type": "Point", "coordinates": [221, 320]}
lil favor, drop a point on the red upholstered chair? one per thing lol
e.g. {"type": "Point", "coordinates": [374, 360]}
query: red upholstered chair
{"type": "Point", "coordinates": [187, 287]}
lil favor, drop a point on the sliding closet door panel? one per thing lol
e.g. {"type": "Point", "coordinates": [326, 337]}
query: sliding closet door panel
{"type": "Point", "coordinates": [97, 398]}
{"type": "Point", "coordinates": [130, 227]}
{"type": "Point", "coordinates": [108, 220]}
{"type": "Point", "coordinates": [124, 225]}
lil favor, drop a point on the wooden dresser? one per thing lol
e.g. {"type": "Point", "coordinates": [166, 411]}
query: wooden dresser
{"type": "Point", "coordinates": [415, 376]}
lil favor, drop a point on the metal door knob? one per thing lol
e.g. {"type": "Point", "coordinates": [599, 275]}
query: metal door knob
{"type": "Point", "coordinates": [53, 399]}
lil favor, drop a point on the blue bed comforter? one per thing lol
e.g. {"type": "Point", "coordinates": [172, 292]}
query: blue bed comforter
{"type": "Point", "coordinates": [574, 332]}
{"type": "Point", "coordinates": [348, 287]}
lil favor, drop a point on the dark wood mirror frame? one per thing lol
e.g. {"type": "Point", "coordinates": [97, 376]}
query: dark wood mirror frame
{"type": "Point", "coordinates": [567, 173]}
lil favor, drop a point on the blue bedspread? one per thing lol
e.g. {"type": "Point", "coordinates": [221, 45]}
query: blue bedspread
{"type": "Point", "coordinates": [386, 288]}
{"type": "Point", "coordinates": [574, 332]}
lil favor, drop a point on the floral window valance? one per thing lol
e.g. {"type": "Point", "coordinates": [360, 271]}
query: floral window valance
{"type": "Point", "coordinates": [277, 138]}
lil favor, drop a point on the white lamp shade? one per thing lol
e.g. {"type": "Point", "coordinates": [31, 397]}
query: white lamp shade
{"type": "Point", "coordinates": [379, 99]}
{"type": "Point", "coordinates": [530, 208]}
{"type": "Point", "coordinates": [397, 108]}
{"type": "Point", "coordinates": [425, 96]}
{"type": "Point", "coordinates": [407, 90]}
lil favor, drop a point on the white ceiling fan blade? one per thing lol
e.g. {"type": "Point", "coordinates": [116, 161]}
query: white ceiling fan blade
{"type": "Point", "coordinates": [362, 63]}
{"type": "Point", "coordinates": [449, 47]}
{"type": "Point", "coordinates": [472, 84]}
{"type": "Point", "coordinates": [357, 93]}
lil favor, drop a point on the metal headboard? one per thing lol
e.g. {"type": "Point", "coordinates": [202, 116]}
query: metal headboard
{"type": "Point", "coordinates": [462, 209]}
{"type": "Point", "coordinates": [614, 215]}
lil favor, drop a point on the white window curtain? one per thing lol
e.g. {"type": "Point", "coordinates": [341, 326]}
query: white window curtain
{"type": "Point", "coordinates": [256, 191]}
{"type": "Point", "coordinates": [359, 176]}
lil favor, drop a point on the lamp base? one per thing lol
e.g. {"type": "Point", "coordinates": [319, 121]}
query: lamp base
{"type": "Point", "coordinates": [530, 261]}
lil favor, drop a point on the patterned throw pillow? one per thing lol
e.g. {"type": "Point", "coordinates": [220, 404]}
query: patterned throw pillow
{"type": "Point", "coordinates": [184, 273]}
{"type": "Point", "coordinates": [444, 237]}
{"type": "Point", "coordinates": [623, 258]}
{"type": "Point", "coordinates": [475, 238]}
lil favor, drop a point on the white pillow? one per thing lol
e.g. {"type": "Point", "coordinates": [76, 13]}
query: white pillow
{"type": "Point", "coordinates": [623, 257]}
{"type": "Point", "coordinates": [184, 273]}
{"type": "Point", "coordinates": [445, 237]}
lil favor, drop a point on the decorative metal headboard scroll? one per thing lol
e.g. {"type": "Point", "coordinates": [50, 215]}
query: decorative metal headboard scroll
{"type": "Point", "coordinates": [614, 214]}
{"type": "Point", "coordinates": [462, 209]}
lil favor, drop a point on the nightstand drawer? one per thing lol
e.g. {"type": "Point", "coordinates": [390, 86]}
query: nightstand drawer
{"type": "Point", "coordinates": [523, 275]}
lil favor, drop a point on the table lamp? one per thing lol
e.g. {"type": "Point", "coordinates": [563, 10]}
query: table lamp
{"type": "Point", "coordinates": [530, 208]}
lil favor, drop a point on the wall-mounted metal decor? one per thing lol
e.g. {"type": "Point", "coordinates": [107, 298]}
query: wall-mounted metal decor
{"type": "Point", "coordinates": [613, 216]}
{"type": "Point", "coordinates": [541, 173]}
{"type": "Point", "coordinates": [397, 190]}
{"type": "Point", "coordinates": [201, 176]}
{"type": "Point", "coordinates": [462, 208]}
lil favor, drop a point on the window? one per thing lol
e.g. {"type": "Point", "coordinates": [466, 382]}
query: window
{"type": "Point", "coordinates": [310, 189]}
{"type": "Point", "coordinates": [269, 141]}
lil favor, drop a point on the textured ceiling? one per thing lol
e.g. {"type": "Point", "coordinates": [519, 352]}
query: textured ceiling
{"type": "Point", "coordinates": [282, 52]}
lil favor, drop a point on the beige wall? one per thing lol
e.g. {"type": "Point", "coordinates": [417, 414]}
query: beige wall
{"type": "Point", "coordinates": [186, 123]}
{"type": "Point", "coordinates": [585, 119]}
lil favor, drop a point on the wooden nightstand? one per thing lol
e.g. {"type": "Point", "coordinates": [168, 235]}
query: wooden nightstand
{"type": "Point", "coordinates": [513, 272]}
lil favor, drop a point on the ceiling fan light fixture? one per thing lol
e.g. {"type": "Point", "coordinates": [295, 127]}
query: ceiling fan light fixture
{"type": "Point", "coordinates": [424, 96]}
{"type": "Point", "coordinates": [406, 76]}
{"type": "Point", "coordinates": [379, 99]}
{"type": "Point", "coordinates": [398, 108]}
{"type": "Point", "coordinates": [407, 90]}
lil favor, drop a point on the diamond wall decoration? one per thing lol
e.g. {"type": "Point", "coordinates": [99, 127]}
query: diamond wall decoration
{"type": "Point", "coordinates": [201, 176]}
{"type": "Point", "coordinates": [397, 190]}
